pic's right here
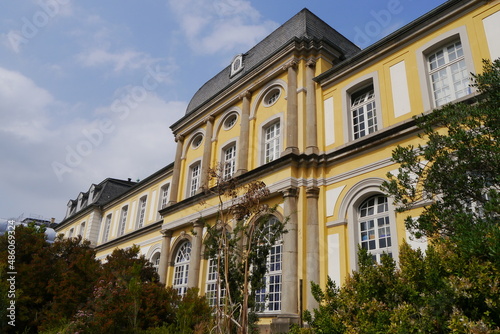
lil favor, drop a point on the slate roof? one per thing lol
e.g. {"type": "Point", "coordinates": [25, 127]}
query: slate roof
{"type": "Point", "coordinates": [111, 189]}
{"type": "Point", "coordinates": [106, 191]}
{"type": "Point", "coordinates": [304, 25]}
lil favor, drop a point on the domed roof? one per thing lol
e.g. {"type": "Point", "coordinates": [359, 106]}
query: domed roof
{"type": "Point", "coordinates": [303, 25]}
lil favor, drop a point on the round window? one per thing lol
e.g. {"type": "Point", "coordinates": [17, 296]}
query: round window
{"type": "Point", "coordinates": [230, 121]}
{"type": "Point", "coordinates": [272, 96]}
{"type": "Point", "coordinates": [197, 141]}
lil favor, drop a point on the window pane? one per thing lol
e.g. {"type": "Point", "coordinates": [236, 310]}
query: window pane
{"type": "Point", "coordinates": [448, 74]}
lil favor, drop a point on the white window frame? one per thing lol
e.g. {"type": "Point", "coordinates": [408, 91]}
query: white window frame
{"type": "Point", "coordinates": [431, 47]}
{"type": "Point", "coordinates": [232, 115]}
{"type": "Point", "coordinates": [71, 232]}
{"type": "Point", "coordinates": [348, 215]}
{"type": "Point", "coordinates": [213, 291]}
{"type": "Point", "coordinates": [107, 228]}
{"type": "Point", "coordinates": [82, 229]}
{"type": "Point", "coordinates": [374, 228]}
{"type": "Point", "coordinates": [122, 223]}
{"type": "Point", "coordinates": [155, 260]}
{"type": "Point", "coordinates": [141, 211]}
{"type": "Point", "coordinates": [268, 299]}
{"type": "Point", "coordinates": [363, 112]}
{"type": "Point", "coordinates": [164, 196]}
{"type": "Point", "coordinates": [229, 162]}
{"type": "Point", "coordinates": [181, 268]}
{"type": "Point", "coordinates": [278, 147]}
{"type": "Point", "coordinates": [355, 86]}
{"type": "Point", "coordinates": [194, 180]}
{"type": "Point", "coordinates": [442, 75]}
{"type": "Point", "coordinates": [272, 96]}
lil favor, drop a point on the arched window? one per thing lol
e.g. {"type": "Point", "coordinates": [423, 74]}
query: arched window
{"type": "Point", "coordinates": [268, 299]}
{"type": "Point", "coordinates": [181, 268]}
{"type": "Point", "coordinates": [155, 260]}
{"type": "Point", "coordinates": [374, 226]}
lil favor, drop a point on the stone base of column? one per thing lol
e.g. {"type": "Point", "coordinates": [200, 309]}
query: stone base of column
{"type": "Point", "coordinates": [283, 322]}
{"type": "Point", "coordinates": [288, 150]}
{"type": "Point", "coordinates": [240, 172]}
{"type": "Point", "coordinates": [312, 150]}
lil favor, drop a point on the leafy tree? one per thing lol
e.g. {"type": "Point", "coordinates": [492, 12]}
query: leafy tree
{"type": "Point", "coordinates": [33, 271]}
{"type": "Point", "coordinates": [127, 297]}
{"type": "Point", "coordinates": [455, 173]}
{"type": "Point", "coordinates": [240, 242]}
{"type": "Point", "coordinates": [74, 271]}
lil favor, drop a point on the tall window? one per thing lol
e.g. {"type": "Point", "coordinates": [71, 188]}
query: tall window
{"type": "Point", "coordinates": [107, 226]}
{"type": "Point", "coordinates": [272, 142]}
{"type": "Point", "coordinates": [181, 268]}
{"type": "Point", "coordinates": [71, 231]}
{"type": "Point", "coordinates": [155, 260]}
{"type": "Point", "coordinates": [268, 299]}
{"type": "Point", "coordinates": [363, 111]}
{"type": "Point", "coordinates": [142, 212]}
{"type": "Point", "coordinates": [374, 227]}
{"type": "Point", "coordinates": [214, 292]}
{"type": "Point", "coordinates": [123, 221]}
{"type": "Point", "coordinates": [448, 73]}
{"type": "Point", "coordinates": [229, 161]}
{"type": "Point", "coordinates": [194, 182]}
{"type": "Point", "coordinates": [82, 229]}
{"type": "Point", "coordinates": [164, 196]}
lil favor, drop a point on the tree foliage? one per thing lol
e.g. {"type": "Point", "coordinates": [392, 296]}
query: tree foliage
{"type": "Point", "coordinates": [455, 173]}
{"type": "Point", "coordinates": [240, 242]}
{"type": "Point", "coordinates": [63, 288]}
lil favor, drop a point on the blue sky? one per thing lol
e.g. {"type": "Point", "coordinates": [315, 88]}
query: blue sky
{"type": "Point", "coordinates": [89, 89]}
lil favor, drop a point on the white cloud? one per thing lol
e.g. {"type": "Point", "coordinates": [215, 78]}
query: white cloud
{"type": "Point", "coordinates": [23, 107]}
{"type": "Point", "coordinates": [34, 137]}
{"type": "Point", "coordinates": [224, 25]}
{"type": "Point", "coordinates": [129, 59]}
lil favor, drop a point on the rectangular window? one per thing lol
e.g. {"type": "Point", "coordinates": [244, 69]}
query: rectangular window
{"type": "Point", "coordinates": [107, 226]}
{"type": "Point", "coordinates": [229, 161]}
{"type": "Point", "coordinates": [123, 221]}
{"type": "Point", "coordinates": [449, 78]}
{"type": "Point", "coordinates": [363, 112]}
{"type": "Point", "coordinates": [164, 196]}
{"type": "Point", "coordinates": [82, 229]}
{"type": "Point", "coordinates": [142, 212]}
{"type": "Point", "coordinates": [194, 184]}
{"type": "Point", "coordinates": [272, 142]}
{"type": "Point", "coordinates": [214, 292]}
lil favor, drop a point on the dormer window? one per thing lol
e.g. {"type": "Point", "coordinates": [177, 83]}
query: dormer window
{"type": "Point", "coordinates": [237, 64]}
{"type": "Point", "coordinates": [91, 194]}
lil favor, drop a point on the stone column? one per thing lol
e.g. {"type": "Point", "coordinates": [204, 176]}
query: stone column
{"type": "Point", "coordinates": [292, 112]}
{"type": "Point", "coordinates": [312, 244]}
{"type": "Point", "coordinates": [164, 255]}
{"type": "Point", "coordinates": [174, 186]}
{"type": "Point", "coordinates": [290, 288]}
{"type": "Point", "coordinates": [194, 262]}
{"type": "Point", "coordinates": [311, 118]}
{"type": "Point", "coordinates": [244, 134]}
{"type": "Point", "coordinates": [207, 152]}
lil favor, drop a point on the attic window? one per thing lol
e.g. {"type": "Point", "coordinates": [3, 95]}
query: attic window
{"type": "Point", "coordinates": [237, 64]}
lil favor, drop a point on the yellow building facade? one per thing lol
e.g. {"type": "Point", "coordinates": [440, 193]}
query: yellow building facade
{"type": "Point", "coordinates": [316, 119]}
